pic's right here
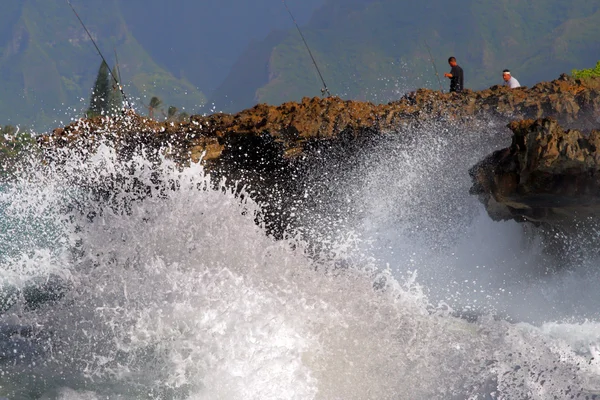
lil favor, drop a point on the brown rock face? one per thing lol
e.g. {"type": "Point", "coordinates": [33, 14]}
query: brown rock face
{"type": "Point", "coordinates": [548, 174]}
{"type": "Point", "coordinates": [294, 126]}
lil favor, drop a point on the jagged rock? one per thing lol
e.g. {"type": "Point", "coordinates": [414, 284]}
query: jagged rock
{"type": "Point", "coordinates": [268, 147]}
{"type": "Point", "coordinates": [293, 125]}
{"type": "Point", "coordinates": [548, 174]}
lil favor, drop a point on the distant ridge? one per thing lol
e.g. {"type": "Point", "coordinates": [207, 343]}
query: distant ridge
{"type": "Point", "coordinates": [375, 51]}
{"type": "Point", "coordinates": [48, 63]}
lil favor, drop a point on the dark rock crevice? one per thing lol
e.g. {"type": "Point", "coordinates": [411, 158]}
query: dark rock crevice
{"type": "Point", "coordinates": [547, 174]}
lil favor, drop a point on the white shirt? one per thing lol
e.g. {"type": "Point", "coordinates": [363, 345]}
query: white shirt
{"type": "Point", "coordinates": [512, 82]}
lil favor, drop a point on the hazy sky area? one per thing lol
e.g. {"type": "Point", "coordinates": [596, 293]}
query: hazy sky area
{"type": "Point", "coordinates": [213, 32]}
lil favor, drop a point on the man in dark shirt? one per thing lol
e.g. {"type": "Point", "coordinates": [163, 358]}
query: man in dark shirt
{"type": "Point", "coordinates": [456, 76]}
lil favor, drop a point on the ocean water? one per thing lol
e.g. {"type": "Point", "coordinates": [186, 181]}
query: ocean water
{"type": "Point", "coordinates": [139, 280]}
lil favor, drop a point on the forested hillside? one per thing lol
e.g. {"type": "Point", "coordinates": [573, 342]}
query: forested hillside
{"type": "Point", "coordinates": [176, 51]}
{"type": "Point", "coordinates": [48, 62]}
{"type": "Point", "coordinates": [376, 49]}
{"type": "Point", "coordinates": [231, 54]}
{"type": "Point", "coordinates": [202, 40]}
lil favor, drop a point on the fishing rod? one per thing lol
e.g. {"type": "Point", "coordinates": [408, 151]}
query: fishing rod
{"type": "Point", "coordinates": [324, 89]}
{"type": "Point", "coordinates": [118, 70]}
{"type": "Point", "coordinates": [100, 53]}
{"type": "Point", "coordinates": [434, 67]}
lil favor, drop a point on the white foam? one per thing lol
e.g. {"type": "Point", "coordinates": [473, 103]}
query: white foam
{"type": "Point", "coordinates": [181, 295]}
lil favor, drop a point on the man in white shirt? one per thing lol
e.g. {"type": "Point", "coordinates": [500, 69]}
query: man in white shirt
{"type": "Point", "coordinates": [509, 80]}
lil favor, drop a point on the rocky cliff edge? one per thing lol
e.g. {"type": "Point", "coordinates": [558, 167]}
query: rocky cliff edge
{"type": "Point", "coordinates": [549, 173]}
{"type": "Point", "coordinates": [293, 125]}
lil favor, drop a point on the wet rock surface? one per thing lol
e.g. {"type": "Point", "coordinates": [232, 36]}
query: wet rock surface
{"type": "Point", "coordinates": [295, 126]}
{"type": "Point", "coordinates": [548, 173]}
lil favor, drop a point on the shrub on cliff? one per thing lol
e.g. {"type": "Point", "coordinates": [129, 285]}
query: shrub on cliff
{"type": "Point", "coordinates": [587, 73]}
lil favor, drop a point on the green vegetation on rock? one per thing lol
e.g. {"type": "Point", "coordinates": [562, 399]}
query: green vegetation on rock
{"type": "Point", "coordinates": [587, 73]}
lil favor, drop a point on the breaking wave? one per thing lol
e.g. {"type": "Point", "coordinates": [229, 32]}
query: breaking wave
{"type": "Point", "coordinates": [128, 279]}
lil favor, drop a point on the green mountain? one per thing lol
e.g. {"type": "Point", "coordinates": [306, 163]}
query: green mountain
{"type": "Point", "coordinates": [177, 50]}
{"type": "Point", "coordinates": [48, 63]}
{"type": "Point", "coordinates": [376, 49]}
{"type": "Point", "coordinates": [202, 40]}
{"type": "Point", "coordinates": [238, 53]}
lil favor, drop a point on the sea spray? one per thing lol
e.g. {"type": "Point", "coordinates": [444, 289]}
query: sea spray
{"type": "Point", "coordinates": [153, 280]}
{"type": "Point", "coordinates": [406, 197]}
{"type": "Point", "coordinates": [175, 292]}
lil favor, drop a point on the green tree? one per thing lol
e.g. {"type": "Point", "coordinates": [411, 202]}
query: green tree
{"type": "Point", "coordinates": [183, 116]}
{"type": "Point", "coordinates": [115, 95]}
{"type": "Point", "coordinates": [100, 92]}
{"type": "Point", "coordinates": [155, 102]}
{"type": "Point", "coordinates": [171, 112]}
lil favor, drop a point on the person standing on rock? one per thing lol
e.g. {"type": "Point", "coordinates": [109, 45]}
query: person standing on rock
{"type": "Point", "coordinates": [509, 80]}
{"type": "Point", "coordinates": [456, 76]}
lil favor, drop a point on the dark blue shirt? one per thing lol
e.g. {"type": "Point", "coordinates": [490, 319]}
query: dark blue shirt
{"type": "Point", "coordinates": [457, 80]}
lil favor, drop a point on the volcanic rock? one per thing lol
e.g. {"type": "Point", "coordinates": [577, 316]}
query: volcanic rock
{"type": "Point", "coordinates": [292, 126]}
{"type": "Point", "coordinates": [548, 174]}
